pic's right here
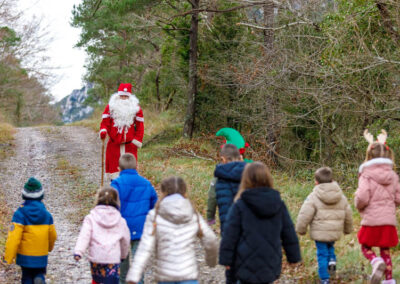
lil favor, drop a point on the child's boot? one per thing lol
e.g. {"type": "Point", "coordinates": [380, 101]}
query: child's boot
{"type": "Point", "coordinates": [378, 268]}
{"type": "Point", "coordinates": [391, 281]}
{"type": "Point", "coordinates": [332, 268]}
{"type": "Point", "coordinates": [324, 281]}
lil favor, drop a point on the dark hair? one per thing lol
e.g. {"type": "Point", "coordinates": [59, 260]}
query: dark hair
{"type": "Point", "coordinates": [127, 161]}
{"type": "Point", "coordinates": [108, 196]}
{"type": "Point", "coordinates": [255, 175]}
{"type": "Point", "coordinates": [230, 152]}
{"type": "Point", "coordinates": [324, 175]}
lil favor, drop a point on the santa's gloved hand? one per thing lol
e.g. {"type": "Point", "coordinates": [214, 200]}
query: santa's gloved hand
{"type": "Point", "coordinates": [103, 135]}
{"type": "Point", "coordinates": [211, 222]}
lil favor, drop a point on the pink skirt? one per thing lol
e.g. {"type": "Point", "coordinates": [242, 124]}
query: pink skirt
{"type": "Point", "coordinates": [378, 236]}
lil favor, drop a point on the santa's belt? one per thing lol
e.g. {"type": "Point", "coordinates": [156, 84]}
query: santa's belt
{"type": "Point", "coordinates": [121, 142]}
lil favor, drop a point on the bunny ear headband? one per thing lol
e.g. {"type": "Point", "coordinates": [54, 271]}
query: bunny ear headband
{"type": "Point", "coordinates": [381, 138]}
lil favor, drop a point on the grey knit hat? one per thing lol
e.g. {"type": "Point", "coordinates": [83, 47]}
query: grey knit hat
{"type": "Point", "coordinates": [33, 189]}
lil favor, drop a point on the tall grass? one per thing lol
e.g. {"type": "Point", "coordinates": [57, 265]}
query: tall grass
{"type": "Point", "coordinates": [7, 132]}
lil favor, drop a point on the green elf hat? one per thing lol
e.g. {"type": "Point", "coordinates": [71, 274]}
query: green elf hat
{"type": "Point", "coordinates": [234, 137]}
{"type": "Point", "coordinates": [33, 189]}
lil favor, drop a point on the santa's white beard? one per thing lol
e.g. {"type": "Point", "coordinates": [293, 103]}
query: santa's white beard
{"type": "Point", "coordinates": [123, 112]}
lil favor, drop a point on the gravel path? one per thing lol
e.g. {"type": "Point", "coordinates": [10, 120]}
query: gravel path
{"type": "Point", "coordinates": [37, 152]}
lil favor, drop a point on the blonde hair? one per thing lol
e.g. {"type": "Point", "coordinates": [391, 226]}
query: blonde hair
{"type": "Point", "coordinates": [255, 175]}
{"type": "Point", "coordinates": [127, 161]}
{"type": "Point", "coordinates": [379, 150]}
{"type": "Point", "coordinates": [108, 196]}
{"type": "Point", "coordinates": [172, 185]}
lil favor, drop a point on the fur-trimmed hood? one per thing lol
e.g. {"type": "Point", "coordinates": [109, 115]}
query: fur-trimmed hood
{"type": "Point", "coordinates": [379, 169]}
{"type": "Point", "coordinates": [376, 161]}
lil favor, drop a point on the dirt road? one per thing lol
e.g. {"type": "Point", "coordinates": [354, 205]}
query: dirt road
{"type": "Point", "coordinates": [38, 153]}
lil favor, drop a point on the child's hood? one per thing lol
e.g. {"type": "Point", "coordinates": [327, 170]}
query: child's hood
{"type": "Point", "coordinates": [176, 209]}
{"type": "Point", "coordinates": [34, 211]}
{"type": "Point", "coordinates": [230, 171]}
{"type": "Point", "coordinates": [328, 193]}
{"type": "Point", "coordinates": [264, 202]}
{"type": "Point", "coordinates": [106, 216]}
{"type": "Point", "coordinates": [379, 170]}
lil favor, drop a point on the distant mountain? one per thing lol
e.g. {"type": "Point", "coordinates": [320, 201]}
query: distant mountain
{"type": "Point", "coordinates": [72, 107]}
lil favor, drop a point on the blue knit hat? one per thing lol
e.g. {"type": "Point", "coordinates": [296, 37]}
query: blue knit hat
{"type": "Point", "coordinates": [33, 189]}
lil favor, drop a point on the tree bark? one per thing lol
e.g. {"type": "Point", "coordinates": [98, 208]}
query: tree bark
{"type": "Point", "coordinates": [268, 10]}
{"type": "Point", "coordinates": [387, 22]}
{"type": "Point", "coordinates": [191, 98]}
{"type": "Point", "coordinates": [157, 82]}
{"type": "Point", "coordinates": [271, 104]}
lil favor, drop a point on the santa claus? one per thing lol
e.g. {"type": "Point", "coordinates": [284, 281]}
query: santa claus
{"type": "Point", "coordinates": [122, 121]}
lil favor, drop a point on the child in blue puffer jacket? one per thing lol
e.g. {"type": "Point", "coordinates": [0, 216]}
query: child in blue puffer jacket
{"type": "Point", "coordinates": [137, 197]}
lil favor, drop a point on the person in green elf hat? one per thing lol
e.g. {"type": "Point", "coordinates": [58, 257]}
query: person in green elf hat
{"type": "Point", "coordinates": [234, 137]}
{"type": "Point", "coordinates": [31, 235]}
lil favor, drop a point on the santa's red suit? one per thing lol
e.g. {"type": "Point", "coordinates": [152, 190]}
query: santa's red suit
{"type": "Point", "coordinates": [122, 121]}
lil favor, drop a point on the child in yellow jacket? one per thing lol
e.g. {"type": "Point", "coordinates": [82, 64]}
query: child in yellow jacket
{"type": "Point", "coordinates": [31, 235]}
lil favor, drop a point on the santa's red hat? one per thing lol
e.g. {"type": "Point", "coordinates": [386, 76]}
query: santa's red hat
{"type": "Point", "coordinates": [125, 89]}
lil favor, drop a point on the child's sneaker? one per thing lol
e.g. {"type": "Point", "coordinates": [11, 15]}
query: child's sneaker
{"type": "Point", "coordinates": [378, 268]}
{"type": "Point", "coordinates": [325, 281]}
{"type": "Point", "coordinates": [39, 280]}
{"type": "Point", "coordinates": [332, 268]}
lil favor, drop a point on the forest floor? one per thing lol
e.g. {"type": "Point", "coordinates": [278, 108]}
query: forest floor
{"type": "Point", "coordinates": [67, 161]}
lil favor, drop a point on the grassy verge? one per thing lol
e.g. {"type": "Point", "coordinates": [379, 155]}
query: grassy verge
{"type": "Point", "coordinates": [7, 132]}
{"type": "Point", "coordinates": [165, 153]}
{"type": "Point", "coordinates": [81, 192]}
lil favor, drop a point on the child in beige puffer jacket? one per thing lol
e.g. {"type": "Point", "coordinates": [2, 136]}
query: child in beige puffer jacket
{"type": "Point", "coordinates": [328, 213]}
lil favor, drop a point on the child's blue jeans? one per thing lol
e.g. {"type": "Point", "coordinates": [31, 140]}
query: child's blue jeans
{"type": "Point", "coordinates": [126, 263]}
{"type": "Point", "coordinates": [181, 282]}
{"type": "Point", "coordinates": [29, 274]}
{"type": "Point", "coordinates": [325, 253]}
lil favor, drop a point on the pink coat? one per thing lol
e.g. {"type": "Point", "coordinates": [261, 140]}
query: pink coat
{"type": "Point", "coordinates": [105, 233]}
{"type": "Point", "coordinates": [378, 193]}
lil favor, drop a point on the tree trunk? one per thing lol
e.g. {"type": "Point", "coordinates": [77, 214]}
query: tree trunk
{"type": "Point", "coordinates": [268, 10]}
{"type": "Point", "coordinates": [387, 22]}
{"type": "Point", "coordinates": [157, 82]}
{"type": "Point", "coordinates": [271, 104]}
{"type": "Point", "coordinates": [191, 99]}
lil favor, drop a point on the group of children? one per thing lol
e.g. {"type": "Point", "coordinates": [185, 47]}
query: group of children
{"type": "Point", "coordinates": [129, 222]}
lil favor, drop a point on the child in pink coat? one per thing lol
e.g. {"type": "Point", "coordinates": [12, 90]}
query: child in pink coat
{"type": "Point", "coordinates": [105, 233]}
{"type": "Point", "coordinates": [376, 199]}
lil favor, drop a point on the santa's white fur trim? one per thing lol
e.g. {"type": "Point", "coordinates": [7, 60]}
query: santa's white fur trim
{"type": "Point", "coordinates": [122, 111]}
{"type": "Point", "coordinates": [124, 93]}
{"type": "Point", "coordinates": [105, 116]}
{"type": "Point", "coordinates": [375, 161]}
{"type": "Point", "coordinates": [33, 194]}
{"type": "Point", "coordinates": [103, 130]}
{"type": "Point", "coordinates": [137, 143]}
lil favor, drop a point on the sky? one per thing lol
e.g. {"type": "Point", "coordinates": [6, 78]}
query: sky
{"type": "Point", "coordinates": [56, 14]}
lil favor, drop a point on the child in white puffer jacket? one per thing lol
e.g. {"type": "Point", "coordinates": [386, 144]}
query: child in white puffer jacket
{"type": "Point", "coordinates": [171, 230]}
